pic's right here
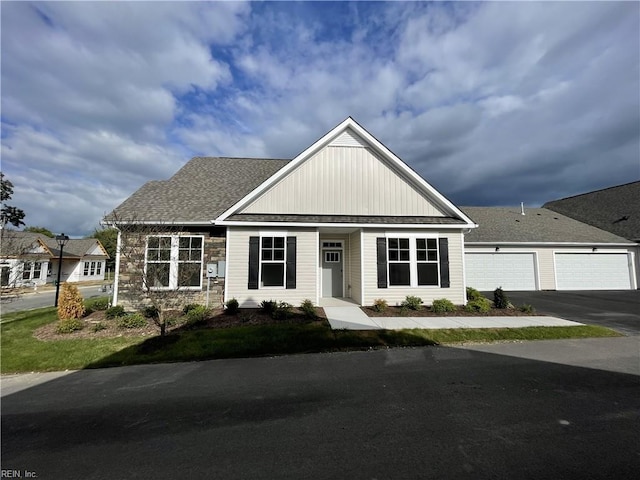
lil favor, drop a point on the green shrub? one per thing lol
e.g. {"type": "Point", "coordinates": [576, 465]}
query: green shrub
{"type": "Point", "coordinates": [69, 325]}
{"type": "Point", "coordinates": [96, 305]}
{"type": "Point", "coordinates": [198, 314]}
{"type": "Point", "coordinates": [98, 327]}
{"type": "Point", "coordinates": [115, 312]}
{"type": "Point", "coordinates": [443, 305]}
{"type": "Point", "coordinates": [268, 306]}
{"type": "Point", "coordinates": [282, 311]}
{"type": "Point", "coordinates": [150, 312]}
{"type": "Point", "coordinates": [481, 305]}
{"type": "Point", "coordinates": [526, 308]}
{"type": "Point", "coordinates": [133, 320]}
{"type": "Point", "coordinates": [232, 307]}
{"type": "Point", "coordinates": [473, 294]}
{"type": "Point", "coordinates": [500, 299]}
{"type": "Point", "coordinates": [308, 309]}
{"type": "Point", "coordinates": [187, 308]}
{"type": "Point", "coordinates": [70, 303]}
{"type": "Point", "coordinates": [172, 321]}
{"type": "Point", "coordinates": [411, 302]}
{"type": "Point", "coordinates": [380, 305]}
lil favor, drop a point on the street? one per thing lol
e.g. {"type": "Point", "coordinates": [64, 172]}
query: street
{"type": "Point", "coordinates": [544, 410]}
{"type": "Point", "coordinates": [43, 298]}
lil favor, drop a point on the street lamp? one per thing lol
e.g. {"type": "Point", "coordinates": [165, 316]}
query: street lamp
{"type": "Point", "coordinates": [62, 240]}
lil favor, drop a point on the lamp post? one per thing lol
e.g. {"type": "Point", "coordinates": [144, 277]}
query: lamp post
{"type": "Point", "coordinates": [62, 240]}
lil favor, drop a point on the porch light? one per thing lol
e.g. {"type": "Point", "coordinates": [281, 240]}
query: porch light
{"type": "Point", "coordinates": [62, 240]}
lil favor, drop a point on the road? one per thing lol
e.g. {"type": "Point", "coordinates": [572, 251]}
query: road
{"type": "Point", "coordinates": [536, 410]}
{"type": "Point", "coordinates": [45, 298]}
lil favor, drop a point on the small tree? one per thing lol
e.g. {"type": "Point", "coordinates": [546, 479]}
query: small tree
{"type": "Point", "coordinates": [41, 230]}
{"type": "Point", "coordinates": [9, 214]}
{"type": "Point", "coordinates": [500, 299]}
{"type": "Point", "coordinates": [70, 303]}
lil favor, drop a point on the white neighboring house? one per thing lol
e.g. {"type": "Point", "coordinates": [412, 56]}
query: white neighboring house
{"type": "Point", "coordinates": [31, 259]}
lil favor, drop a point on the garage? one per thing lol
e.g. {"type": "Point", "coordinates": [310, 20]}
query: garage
{"type": "Point", "coordinates": [593, 271]}
{"type": "Point", "coordinates": [511, 271]}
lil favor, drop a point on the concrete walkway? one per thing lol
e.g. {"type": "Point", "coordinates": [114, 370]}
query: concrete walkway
{"type": "Point", "coordinates": [352, 318]}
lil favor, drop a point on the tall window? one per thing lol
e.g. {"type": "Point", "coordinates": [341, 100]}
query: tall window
{"type": "Point", "coordinates": [32, 271]}
{"type": "Point", "coordinates": [174, 261]}
{"type": "Point", "coordinates": [412, 261]}
{"type": "Point", "coordinates": [272, 261]}
{"type": "Point", "coordinates": [92, 268]}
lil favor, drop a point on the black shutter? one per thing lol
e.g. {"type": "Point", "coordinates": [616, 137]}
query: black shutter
{"type": "Point", "coordinates": [291, 262]}
{"type": "Point", "coordinates": [382, 262]}
{"type": "Point", "coordinates": [254, 262]}
{"type": "Point", "coordinates": [443, 244]}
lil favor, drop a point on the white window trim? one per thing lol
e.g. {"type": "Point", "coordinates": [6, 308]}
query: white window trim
{"type": "Point", "coordinates": [283, 262]}
{"type": "Point", "coordinates": [174, 262]}
{"type": "Point", "coordinates": [413, 259]}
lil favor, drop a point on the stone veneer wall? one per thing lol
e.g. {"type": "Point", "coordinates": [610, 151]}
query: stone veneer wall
{"type": "Point", "coordinates": [130, 294]}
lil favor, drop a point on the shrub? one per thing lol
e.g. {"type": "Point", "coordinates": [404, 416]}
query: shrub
{"type": "Point", "coordinates": [199, 314]}
{"type": "Point", "coordinates": [481, 305]}
{"type": "Point", "coordinates": [308, 309]}
{"type": "Point", "coordinates": [526, 308]}
{"type": "Point", "coordinates": [70, 303]}
{"type": "Point", "coordinates": [96, 305]}
{"type": "Point", "coordinates": [150, 312]}
{"type": "Point", "coordinates": [411, 302]}
{"type": "Point", "coordinates": [380, 305]}
{"type": "Point", "coordinates": [98, 326]}
{"type": "Point", "coordinates": [232, 307]}
{"type": "Point", "coordinates": [133, 320]}
{"type": "Point", "coordinates": [114, 312]}
{"type": "Point", "coordinates": [473, 294]}
{"type": "Point", "coordinates": [187, 308]}
{"type": "Point", "coordinates": [69, 325]}
{"type": "Point", "coordinates": [500, 299]}
{"type": "Point", "coordinates": [282, 311]}
{"type": "Point", "coordinates": [268, 306]}
{"type": "Point", "coordinates": [443, 305]}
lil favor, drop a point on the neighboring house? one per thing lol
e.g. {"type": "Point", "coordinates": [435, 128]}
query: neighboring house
{"type": "Point", "coordinates": [29, 259]}
{"type": "Point", "coordinates": [544, 250]}
{"type": "Point", "coordinates": [614, 209]}
{"type": "Point", "coordinates": [345, 219]}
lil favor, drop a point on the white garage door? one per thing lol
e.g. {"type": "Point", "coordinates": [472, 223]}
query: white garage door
{"type": "Point", "coordinates": [592, 271]}
{"type": "Point", "coordinates": [511, 271]}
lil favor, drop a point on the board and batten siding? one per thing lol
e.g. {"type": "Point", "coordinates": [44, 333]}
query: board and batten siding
{"type": "Point", "coordinates": [344, 180]}
{"type": "Point", "coordinates": [395, 295]}
{"type": "Point", "coordinates": [238, 267]}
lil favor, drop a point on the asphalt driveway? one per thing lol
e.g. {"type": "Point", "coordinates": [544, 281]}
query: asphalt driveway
{"type": "Point", "coordinates": [618, 310]}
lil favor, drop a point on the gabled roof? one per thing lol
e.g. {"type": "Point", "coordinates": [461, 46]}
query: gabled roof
{"type": "Point", "coordinates": [615, 209]}
{"type": "Point", "coordinates": [199, 192]}
{"type": "Point", "coordinates": [349, 125]}
{"type": "Point", "coordinates": [19, 244]}
{"type": "Point", "coordinates": [537, 225]}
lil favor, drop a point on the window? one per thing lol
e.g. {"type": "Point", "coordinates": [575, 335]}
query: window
{"type": "Point", "coordinates": [411, 262]}
{"type": "Point", "coordinates": [399, 261]}
{"type": "Point", "coordinates": [98, 268]}
{"type": "Point", "coordinates": [173, 262]}
{"type": "Point", "coordinates": [332, 257]}
{"type": "Point", "coordinates": [37, 270]}
{"type": "Point", "coordinates": [272, 261]}
{"type": "Point", "coordinates": [91, 268]}
{"type": "Point", "coordinates": [31, 271]}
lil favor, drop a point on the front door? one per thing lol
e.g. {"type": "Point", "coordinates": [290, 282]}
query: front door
{"type": "Point", "coordinates": [4, 276]}
{"type": "Point", "coordinates": [332, 273]}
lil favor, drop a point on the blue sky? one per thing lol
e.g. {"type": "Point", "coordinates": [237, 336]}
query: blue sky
{"type": "Point", "coordinates": [492, 103]}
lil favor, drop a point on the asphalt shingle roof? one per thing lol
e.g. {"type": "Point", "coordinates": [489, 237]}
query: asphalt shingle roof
{"type": "Point", "coordinates": [16, 243]}
{"type": "Point", "coordinates": [199, 192]}
{"type": "Point", "coordinates": [504, 224]}
{"type": "Point", "coordinates": [615, 209]}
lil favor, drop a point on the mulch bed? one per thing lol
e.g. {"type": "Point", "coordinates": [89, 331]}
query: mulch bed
{"type": "Point", "coordinates": [393, 311]}
{"type": "Point", "coordinates": [218, 319]}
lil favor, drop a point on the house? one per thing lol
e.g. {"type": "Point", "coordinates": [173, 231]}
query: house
{"type": "Point", "coordinates": [614, 209]}
{"type": "Point", "coordinates": [539, 249]}
{"type": "Point", "coordinates": [345, 219]}
{"type": "Point", "coordinates": [29, 259]}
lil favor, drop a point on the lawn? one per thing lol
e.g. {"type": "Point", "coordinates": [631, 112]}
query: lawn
{"type": "Point", "coordinates": [22, 352]}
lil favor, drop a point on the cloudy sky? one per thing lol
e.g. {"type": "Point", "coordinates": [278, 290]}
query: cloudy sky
{"type": "Point", "coordinates": [492, 103]}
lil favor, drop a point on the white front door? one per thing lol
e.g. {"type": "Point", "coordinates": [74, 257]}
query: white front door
{"type": "Point", "coordinates": [332, 273]}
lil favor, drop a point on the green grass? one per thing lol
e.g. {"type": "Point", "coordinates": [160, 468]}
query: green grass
{"type": "Point", "coordinates": [21, 352]}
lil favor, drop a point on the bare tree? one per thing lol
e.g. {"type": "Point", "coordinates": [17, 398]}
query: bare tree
{"type": "Point", "coordinates": [160, 266]}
